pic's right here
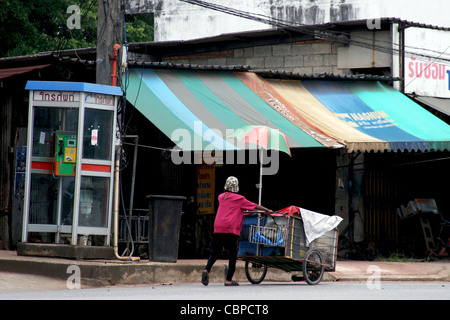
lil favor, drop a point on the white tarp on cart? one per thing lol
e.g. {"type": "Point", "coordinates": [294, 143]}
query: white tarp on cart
{"type": "Point", "coordinates": [317, 224]}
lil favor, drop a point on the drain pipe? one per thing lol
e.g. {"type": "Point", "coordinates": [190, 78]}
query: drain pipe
{"type": "Point", "coordinates": [116, 209]}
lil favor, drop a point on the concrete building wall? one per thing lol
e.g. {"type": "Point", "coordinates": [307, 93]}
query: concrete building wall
{"type": "Point", "coordinates": [176, 20]}
{"type": "Point", "coordinates": [301, 57]}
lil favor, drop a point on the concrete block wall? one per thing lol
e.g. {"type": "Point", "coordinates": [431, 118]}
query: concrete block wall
{"type": "Point", "coordinates": [308, 57]}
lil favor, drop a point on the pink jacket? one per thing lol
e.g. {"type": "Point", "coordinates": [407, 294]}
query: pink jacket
{"type": "Point", "coordinates": [231, 213]}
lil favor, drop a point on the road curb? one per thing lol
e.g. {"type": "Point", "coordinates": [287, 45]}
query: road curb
{"type": "Point", "coordinates": [118, 272]}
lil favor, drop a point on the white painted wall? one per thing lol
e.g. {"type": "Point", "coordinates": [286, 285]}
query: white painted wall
{"type": "Point", "coordinates": [181, 21]}
{"type": "Point", "coordinates": [176, 20]}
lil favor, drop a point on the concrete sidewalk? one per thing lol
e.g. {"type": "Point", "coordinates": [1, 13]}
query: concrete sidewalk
{"type": "Point", "coordinates": [119, 272]}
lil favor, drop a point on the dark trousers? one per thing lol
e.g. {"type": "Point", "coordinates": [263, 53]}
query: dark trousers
{"type": "Point", "coordinates": [226, 241]}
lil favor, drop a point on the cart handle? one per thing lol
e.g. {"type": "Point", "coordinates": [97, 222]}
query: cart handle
{"type": "Point", "coordinates": [261, 211]}
{"type": "Point", "coordinates": [253, 211]}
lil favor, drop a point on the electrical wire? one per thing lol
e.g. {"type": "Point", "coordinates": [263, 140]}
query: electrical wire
{"type": "Point", "coordinates": [130, 235]}
{"type": "Point", "coordinates": [420, 74]}
{"type": "Point", "coordinates": [316, 32]}
{"type": "Point", "coordinates": [124, 83]}
{"type": "Point", "coordinates": [388, 47]}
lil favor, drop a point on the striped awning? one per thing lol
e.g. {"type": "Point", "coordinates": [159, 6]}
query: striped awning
{"type": "Point", "coordinates": [196, 109]}
{"type": "Point", "coordinates": [362, 115]}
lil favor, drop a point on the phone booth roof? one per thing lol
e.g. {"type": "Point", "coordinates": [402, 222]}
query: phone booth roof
{"type": "Point", "coordinates": [73, 86]}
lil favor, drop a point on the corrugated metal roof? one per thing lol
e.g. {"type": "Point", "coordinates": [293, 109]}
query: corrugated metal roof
{"type": "Point", "coordinates": [384, 20]}
{"type": "Point", "coordinates": [320, 76]}
{"type": "Point", "coordinates": [185, 66]}
{"type": "Point", "coordinates": [263, 72]}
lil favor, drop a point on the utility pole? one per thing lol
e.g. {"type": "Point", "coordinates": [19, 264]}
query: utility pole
{"type": "Point", "coordinates": [109, 33]}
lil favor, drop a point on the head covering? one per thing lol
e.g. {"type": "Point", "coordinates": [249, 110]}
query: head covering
{"type": "Point", "coordinates": [232, 184]}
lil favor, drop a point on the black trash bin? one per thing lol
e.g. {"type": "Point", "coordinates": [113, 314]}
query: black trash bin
{"type": "Point", "coordinates": [164, 227]}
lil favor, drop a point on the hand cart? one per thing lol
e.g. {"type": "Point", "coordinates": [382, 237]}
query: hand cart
{"type": "Point", "coordinates": [279, 241]}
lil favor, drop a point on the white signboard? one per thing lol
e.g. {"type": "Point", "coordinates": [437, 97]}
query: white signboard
{"type": "Point", "coordinates": [56, 96]}
{"type": "Point", "coordinates": [427, 62]}
{"type": "Point", "coordinates": [101, 99]}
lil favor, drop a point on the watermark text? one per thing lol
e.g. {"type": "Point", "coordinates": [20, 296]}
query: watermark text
{"type": "Point", "coordinates": [373, 24]}
{"type": "Point", "coordinates": [74, 280]}
{"type": "Point", "coordinates": [74, 20]}
{"type": "Point", "coordinates": [374, 280]}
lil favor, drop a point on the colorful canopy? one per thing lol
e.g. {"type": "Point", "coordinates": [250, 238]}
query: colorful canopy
{"type": "Point", "coordinates": [199, 109]}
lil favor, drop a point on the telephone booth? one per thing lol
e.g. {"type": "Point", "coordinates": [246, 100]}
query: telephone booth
{"type": "Point", "coordinates": [70, 163]}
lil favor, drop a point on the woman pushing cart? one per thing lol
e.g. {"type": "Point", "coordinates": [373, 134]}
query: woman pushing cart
{"type": "Point", "coordinates": [227, 228]}
{"type": "Point", "coordinates": [289, 239]}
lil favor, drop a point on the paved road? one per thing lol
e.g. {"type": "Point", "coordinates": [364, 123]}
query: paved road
{"type": "Point", "coordinates": [246, 291]}
{"type": "Point", "coordinates": [10, 282]}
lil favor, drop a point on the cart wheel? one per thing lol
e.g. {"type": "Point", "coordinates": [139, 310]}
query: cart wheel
{"type": "Point", "coordinates": [255, 272]}
{"type": "Point", "coordinates": [313, 268]}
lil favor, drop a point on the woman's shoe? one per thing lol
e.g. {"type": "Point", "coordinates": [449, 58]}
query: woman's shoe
{"type": "Point", "coordinates": [205, 277]}
{"type": "Point", "coordinates": [232, 283]}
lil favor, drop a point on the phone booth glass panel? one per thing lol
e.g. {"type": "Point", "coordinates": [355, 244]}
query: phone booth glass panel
{"type": "Point", "coordinates": [98, 125]}
{"type": "Point", "coordinates": [46, 122]}
{"type": "Point", "coordinates": [93, 204]}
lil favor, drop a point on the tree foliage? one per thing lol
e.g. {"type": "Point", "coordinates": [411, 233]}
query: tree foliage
{"type": "Point", "coordinates": [139, 28]}
{"type": "Point", "coordinates": [32, 26]}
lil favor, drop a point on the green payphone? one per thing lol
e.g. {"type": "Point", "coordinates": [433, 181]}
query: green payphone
{"type": "Point", "coordinates": [65, 153]}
